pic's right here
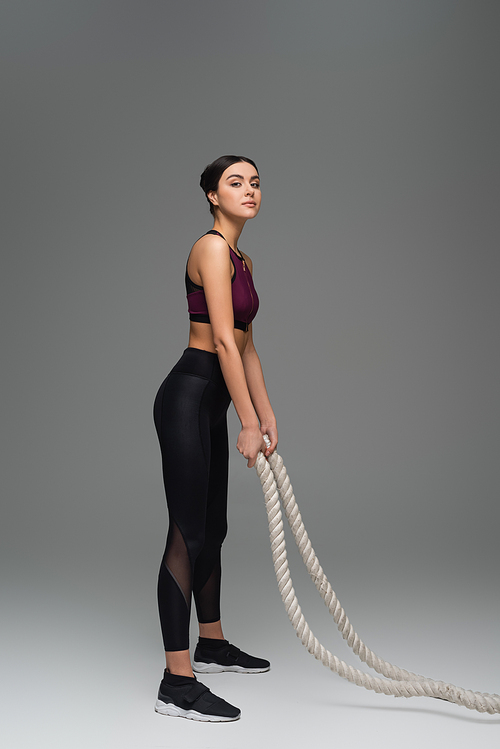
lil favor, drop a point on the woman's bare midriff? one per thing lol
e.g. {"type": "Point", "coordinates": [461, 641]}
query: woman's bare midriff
{"type": "Point", "coordinates": [200, 336]}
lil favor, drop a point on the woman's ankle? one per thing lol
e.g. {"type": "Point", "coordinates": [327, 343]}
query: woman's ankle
{"type": "Point", "coordinates": [178, 662]}
{"type": "Point", "coordinates": [211, 630]}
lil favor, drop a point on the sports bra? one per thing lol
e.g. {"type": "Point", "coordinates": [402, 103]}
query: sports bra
{"type": "Point", "coordinates": [245, 299]}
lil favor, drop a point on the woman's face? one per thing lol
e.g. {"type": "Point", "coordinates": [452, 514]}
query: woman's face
{"type": "Point", "coordinates": [238, 192]}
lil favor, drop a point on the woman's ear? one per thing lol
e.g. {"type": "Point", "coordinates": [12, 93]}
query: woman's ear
{"type": "Point", "coordinates": [212, 196]}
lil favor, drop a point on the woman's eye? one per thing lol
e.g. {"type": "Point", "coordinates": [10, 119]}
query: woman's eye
{"type": "Point", "coordinates": [253, 184]}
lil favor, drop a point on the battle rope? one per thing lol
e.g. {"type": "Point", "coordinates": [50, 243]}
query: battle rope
{"type": "Point", "coordinates": [399, 682]}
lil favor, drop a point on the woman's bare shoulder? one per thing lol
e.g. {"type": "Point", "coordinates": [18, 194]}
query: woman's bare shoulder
{"type": "Point", "coordinates": [209, 255]}
{"type": "Point", "coordinates": [209, 244]}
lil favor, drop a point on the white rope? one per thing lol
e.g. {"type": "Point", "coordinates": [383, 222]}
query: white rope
{"type": "Point", "coordinates": [399, 682]}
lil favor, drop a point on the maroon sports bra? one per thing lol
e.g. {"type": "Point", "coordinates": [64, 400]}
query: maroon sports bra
{"type": "Point", "coordinates": [245, 299]}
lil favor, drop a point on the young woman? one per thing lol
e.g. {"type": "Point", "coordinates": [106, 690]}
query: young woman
{"type": "Point", "coordinates": [220, 365]}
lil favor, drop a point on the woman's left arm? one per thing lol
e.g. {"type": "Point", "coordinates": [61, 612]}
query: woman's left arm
{"type": "Point", "coordinates": [258, 392]}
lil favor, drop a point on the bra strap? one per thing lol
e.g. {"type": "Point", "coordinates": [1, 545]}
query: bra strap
{"type": "Point", "coordinates": [236, 252]}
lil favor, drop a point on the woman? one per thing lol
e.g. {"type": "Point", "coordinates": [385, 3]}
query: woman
{"type": "Point", "coordinates": [219, 365]}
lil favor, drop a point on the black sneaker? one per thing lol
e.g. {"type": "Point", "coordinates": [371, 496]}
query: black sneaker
{"type": "Point", "coordinates": [185, 697]}
{"type": "Point", "coordinates": [215, 656]}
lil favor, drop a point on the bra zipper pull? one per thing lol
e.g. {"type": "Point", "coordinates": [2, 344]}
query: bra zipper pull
{"type": "Point", "coordinates": [242, 260]}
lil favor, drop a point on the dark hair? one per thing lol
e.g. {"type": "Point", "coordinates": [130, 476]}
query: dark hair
{"type": "Point", "coordinates": [212, 173]}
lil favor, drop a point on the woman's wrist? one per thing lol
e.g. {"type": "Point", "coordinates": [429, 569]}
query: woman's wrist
{"type": "Point", "coordinates": [268, 423]}
{"type": "Point", "coordinates": [250, 424]}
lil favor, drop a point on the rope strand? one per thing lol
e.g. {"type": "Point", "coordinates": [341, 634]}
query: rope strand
{"type": "Point", "coordinates": [398, 682]}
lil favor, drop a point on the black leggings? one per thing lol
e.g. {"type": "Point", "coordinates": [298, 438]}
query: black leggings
{"type": "Point", "coordinates": [190, 418]}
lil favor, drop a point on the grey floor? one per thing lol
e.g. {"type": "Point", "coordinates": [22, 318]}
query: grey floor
{"type": "Point", "coordinates": [89, 688]}
{"type": "Point", "coordinates": [84, 655]}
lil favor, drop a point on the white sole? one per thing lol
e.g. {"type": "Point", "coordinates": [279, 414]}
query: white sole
{"type": "Point", "coordinates": [168, 708]}
{"type": "Point", "coordinates": [215, 668]}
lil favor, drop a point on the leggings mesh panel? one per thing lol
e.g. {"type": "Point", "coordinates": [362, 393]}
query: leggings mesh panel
{"type": "Point", "coordinates": [176, 560]}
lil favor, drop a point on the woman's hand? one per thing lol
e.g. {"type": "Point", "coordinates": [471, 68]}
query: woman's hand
{"type": "Point", "coordinates": [250, 443]}
{"type": "Point", "coordinates": [272, 432]}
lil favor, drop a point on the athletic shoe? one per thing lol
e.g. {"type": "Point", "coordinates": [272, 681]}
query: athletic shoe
{"type": "Point", "coordinates": [216, 656]}
{"type": "Point", "coordinates": [186, 697]}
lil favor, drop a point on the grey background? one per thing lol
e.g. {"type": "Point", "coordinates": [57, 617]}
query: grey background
{"type": "Point", "coordinates": [375, 127]}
